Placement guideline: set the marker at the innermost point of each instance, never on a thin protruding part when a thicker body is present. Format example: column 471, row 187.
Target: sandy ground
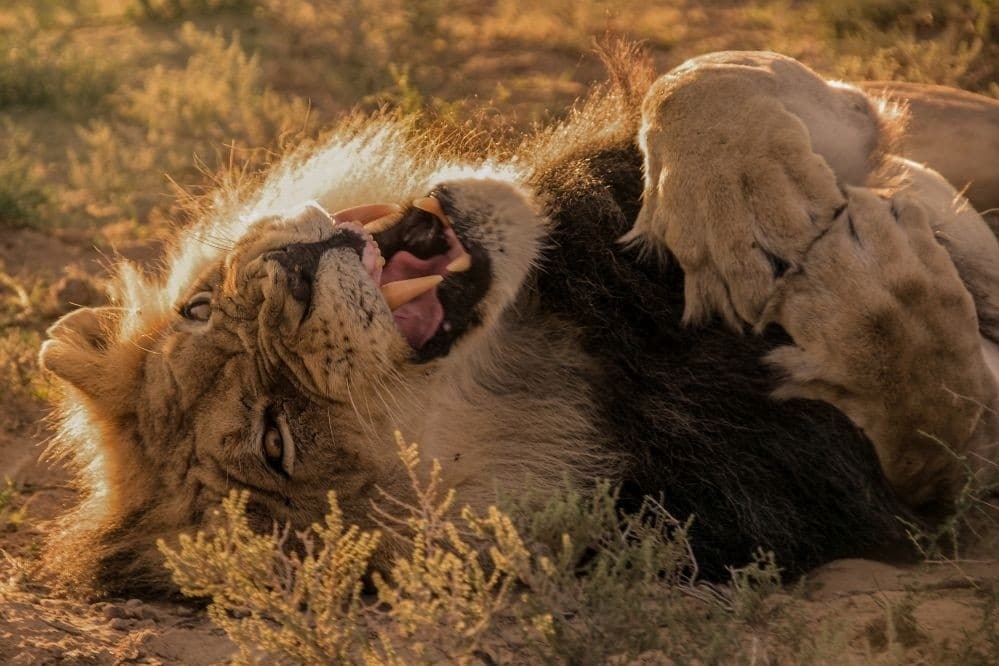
column 848, row 598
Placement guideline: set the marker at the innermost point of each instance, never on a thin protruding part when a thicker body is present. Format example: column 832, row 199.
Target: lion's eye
column 277, row 447
column 274, row 448
column 199, row 308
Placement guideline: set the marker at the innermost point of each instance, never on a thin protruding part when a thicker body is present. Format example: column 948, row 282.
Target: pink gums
column 420, row 319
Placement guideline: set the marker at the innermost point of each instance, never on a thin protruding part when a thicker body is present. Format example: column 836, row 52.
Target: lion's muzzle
column 301, row 261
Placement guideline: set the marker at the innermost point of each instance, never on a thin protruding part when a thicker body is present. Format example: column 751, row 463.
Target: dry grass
column 931, row 41
column 24, row 193
column 12, row 509
column 43, row 69
column 569, row 580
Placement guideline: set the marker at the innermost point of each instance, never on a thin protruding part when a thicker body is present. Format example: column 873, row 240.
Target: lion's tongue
column 419, row 319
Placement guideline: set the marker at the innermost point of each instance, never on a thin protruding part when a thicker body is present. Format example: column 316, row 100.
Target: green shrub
column 569, row 581
column 46, row 69
column 24, row 191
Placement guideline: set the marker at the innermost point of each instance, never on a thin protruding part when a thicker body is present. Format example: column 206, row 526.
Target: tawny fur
column 158, row 415
column 884, row 329
column 972, row 245
column 745, row 153
column 954, row 131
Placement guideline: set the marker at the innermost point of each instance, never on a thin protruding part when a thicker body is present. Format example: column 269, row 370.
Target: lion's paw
column 885, row 330
column 733, row 189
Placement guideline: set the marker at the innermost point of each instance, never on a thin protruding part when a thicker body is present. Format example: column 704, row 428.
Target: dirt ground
column 885, row 613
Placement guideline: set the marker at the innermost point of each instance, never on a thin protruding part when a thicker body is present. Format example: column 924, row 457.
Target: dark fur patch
column 691, row 406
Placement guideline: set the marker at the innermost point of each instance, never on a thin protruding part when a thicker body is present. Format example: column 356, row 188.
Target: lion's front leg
column 736, row 201
column 745, row 154
column 885, row 330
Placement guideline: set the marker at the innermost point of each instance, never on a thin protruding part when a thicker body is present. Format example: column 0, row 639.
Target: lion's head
column 284, row 341
column 281, row 347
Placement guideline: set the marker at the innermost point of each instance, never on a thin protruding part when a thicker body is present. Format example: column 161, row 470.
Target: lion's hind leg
column 885, row 330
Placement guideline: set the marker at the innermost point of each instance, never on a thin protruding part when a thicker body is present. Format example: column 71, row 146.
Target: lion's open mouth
column 430, row 278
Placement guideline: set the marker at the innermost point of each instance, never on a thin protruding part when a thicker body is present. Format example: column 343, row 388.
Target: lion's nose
column 301, row 260
column 300, row 264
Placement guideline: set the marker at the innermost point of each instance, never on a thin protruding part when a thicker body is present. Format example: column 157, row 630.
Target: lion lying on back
column 500, row 322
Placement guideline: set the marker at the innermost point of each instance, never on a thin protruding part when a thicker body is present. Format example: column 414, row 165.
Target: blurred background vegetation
column 102, row 100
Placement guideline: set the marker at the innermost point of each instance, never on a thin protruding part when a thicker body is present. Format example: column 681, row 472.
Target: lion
column 486, row 306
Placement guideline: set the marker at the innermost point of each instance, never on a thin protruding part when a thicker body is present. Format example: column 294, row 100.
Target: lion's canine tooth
column 460, row 264
column 383, row 223
column 400, row 292
column 432, row 206
column 380, row 261
column 366, row 213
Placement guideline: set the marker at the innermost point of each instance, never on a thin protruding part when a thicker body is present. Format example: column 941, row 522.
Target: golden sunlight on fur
column 745, row 157
column 749, row 159
column 265, row 356
column 155, row 410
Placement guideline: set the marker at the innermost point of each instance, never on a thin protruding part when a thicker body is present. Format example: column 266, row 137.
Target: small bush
column 851, row 17
column 24, row 192
column 378, row 51
column 985, row 650
column 39, row 69
column 116, row 173
column 19, row 374
column 12, row 508
column 973, row 511
column 571, row 581
column 440, row 602
column 897, row 629
column 219, row 96
column 218, row 102
column 923, row 41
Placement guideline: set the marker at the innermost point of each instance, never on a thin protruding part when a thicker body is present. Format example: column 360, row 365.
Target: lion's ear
column 76, row 351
